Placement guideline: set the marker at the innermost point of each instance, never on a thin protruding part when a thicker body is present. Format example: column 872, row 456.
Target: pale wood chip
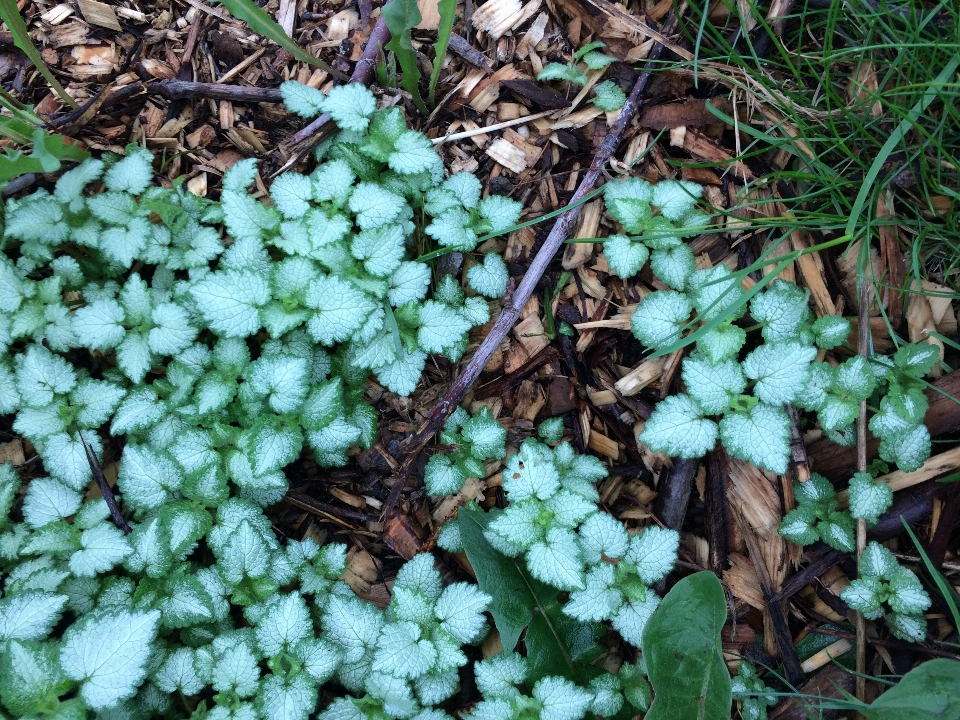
column 646, row 372
column 98, row 13
column 12, row 452
column 496, row 17
column 57, row 14
column 505, row 154
column 198, row 185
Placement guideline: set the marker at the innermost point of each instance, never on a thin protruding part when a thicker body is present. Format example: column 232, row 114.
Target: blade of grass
column 10, row 14
column 448, row 13
column 895, row 137
column 262, row 24
column 949, row 594
column 401, row 16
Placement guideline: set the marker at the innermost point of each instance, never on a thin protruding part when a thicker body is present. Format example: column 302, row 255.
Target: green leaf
column 262, row 24
column 401, row 16
column 760, row 436
column 678, row 427
column 609, row 96
column 108, row 654
column 31, row 678
column 516, row 595
column 681, row 645
column 929, row 691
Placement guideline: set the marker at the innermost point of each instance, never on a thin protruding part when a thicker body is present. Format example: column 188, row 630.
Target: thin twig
column 863, row 348
column 300, row 143
column 512, row 307
column 104, row 486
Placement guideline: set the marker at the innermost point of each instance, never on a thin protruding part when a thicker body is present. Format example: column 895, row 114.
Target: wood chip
column 496, row 17
column 12, row 452
column 198, row 185
column 935, row 466
column 57, row 14
column 533, row 36
column 692, row 112
column 827, row 655
column 642, row 375
column 505, row 154
column 602, row 444
column 576, row 254
column 430, row 14
column 98, row 13
column 399, row 536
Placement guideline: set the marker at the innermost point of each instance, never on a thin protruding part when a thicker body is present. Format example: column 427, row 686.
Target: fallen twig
column 293, row 148
column 512, row 307
column 182, row 89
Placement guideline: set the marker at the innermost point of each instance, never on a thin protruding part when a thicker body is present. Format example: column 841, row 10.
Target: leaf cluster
column 887, row 589
column 818, row 517
column 587, row 59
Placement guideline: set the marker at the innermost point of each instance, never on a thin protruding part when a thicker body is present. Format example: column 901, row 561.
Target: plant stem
column 515, row 301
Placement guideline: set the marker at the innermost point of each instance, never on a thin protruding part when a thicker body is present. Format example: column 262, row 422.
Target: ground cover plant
column 674, row 472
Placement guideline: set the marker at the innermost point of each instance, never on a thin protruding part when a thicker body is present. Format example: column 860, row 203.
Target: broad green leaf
column 516, row 595
column 107, row 653
column 684, row 655
column 929, row 691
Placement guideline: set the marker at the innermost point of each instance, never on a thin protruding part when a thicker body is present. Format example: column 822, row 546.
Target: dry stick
column 863, row 348
column 300, row 143
column 182, row 89
column 104, row 486
column 513, row 305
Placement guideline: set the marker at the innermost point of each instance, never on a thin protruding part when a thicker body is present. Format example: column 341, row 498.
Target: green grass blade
column 401, row 16
column 262, row 24
column 21, row 38
column 949, row 594
column 448, row 13
column 895, row 137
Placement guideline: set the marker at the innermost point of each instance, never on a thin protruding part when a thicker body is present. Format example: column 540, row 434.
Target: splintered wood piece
column 940, row 299
column 891, row 259
column 430, row 14
column 811, row 268
column 642, row 375
column 496, row 17
column 693, row 112
column 741, row 578
column 604, row 445
column 826, row 655
column 399, row 536
column 533, row 35
column 98, row 13
column 920, row 322
column 699, row 145
column 936, row 466
column 505, row 154
column 577, row 253
column 530, row 333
